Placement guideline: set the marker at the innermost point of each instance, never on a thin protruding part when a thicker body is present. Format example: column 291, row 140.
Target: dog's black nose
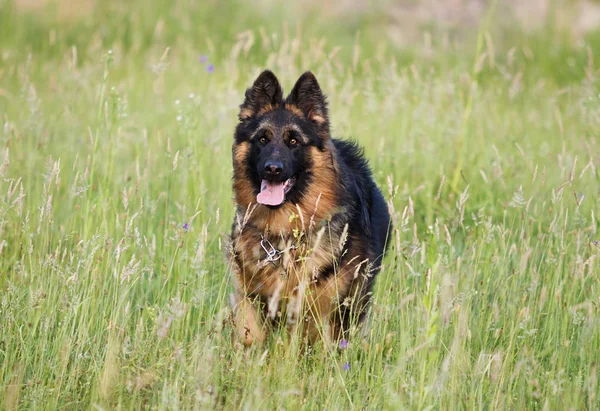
column 273, row 168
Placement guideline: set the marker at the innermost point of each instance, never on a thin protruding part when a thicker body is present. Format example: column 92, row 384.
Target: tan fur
column 242, row 187
column 240, row 153
column 295, row 110
column 246, row 316
column 267, row 108
column 245, row 113
column 247, row 321
column 317, row 118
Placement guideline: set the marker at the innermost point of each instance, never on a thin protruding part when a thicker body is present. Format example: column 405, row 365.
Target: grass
column 115, row 135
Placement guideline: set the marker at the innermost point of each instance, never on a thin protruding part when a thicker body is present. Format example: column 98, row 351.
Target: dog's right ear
column 264, row 95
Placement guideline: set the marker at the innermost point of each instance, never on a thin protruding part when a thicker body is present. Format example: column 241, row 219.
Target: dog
column 311, row 225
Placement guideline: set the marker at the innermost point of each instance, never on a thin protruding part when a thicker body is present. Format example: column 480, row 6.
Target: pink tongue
column 271, row 193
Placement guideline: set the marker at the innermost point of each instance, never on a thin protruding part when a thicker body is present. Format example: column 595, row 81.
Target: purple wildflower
column 344, row 344
column 210, row 68
column 203, row 59
column 186, row 227
column 596, row 243
column 347, row 366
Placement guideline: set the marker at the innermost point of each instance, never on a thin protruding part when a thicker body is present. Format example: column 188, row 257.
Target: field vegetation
column 117, row 122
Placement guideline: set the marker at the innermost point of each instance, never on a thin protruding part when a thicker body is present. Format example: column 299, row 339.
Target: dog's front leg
column 317, row 322
column 246, row 317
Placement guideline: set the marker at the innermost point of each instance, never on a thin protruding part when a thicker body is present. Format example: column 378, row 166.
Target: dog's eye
column 265, row 136
column 293, row 141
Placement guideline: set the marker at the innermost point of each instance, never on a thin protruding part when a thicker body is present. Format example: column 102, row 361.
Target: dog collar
column 274, row 254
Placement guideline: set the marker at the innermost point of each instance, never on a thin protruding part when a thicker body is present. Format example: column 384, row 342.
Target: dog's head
column 275, row 137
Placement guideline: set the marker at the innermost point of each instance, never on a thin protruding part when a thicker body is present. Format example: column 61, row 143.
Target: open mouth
column 272, row 193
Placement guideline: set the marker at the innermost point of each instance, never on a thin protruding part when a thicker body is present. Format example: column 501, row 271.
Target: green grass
column 114, row 135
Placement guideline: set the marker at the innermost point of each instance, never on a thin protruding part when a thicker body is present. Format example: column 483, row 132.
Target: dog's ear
column 264, row 94
column 308, row 97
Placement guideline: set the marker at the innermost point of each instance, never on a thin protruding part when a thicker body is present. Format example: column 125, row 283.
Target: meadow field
column 116, row 204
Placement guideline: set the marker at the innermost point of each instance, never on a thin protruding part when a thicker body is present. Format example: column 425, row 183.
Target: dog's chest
column 268, row 265
column 280, row 265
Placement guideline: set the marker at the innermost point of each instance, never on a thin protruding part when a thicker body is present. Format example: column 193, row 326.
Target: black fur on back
column 368, row 210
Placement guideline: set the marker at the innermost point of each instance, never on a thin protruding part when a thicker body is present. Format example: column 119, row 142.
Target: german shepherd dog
column 311, row 225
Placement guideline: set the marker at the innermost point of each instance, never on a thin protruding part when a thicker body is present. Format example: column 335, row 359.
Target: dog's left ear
column 265, row 94
column 308, row 97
